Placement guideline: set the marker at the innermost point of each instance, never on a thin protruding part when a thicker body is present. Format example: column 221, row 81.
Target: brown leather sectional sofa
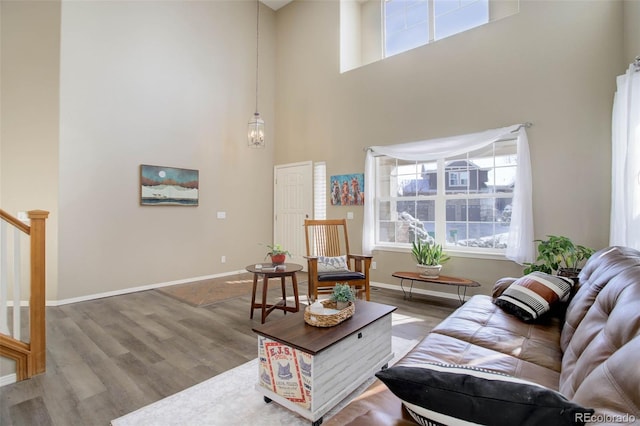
column 590, row 353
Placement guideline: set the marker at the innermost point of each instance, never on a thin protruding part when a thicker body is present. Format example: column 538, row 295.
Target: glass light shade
column 255, row 134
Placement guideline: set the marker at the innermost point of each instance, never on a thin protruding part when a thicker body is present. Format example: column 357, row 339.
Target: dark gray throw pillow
column 442, row 394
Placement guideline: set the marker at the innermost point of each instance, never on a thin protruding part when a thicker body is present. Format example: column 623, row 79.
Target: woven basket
column 318, row 320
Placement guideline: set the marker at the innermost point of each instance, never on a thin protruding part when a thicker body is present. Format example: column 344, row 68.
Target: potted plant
column 430, row 258
column 342, row 295
column 559, row 255
column 278, row 253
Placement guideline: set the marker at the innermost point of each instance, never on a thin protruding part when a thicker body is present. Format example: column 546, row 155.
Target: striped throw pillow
column 532, row 295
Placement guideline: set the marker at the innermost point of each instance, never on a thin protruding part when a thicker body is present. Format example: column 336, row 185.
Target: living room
column 91, row 90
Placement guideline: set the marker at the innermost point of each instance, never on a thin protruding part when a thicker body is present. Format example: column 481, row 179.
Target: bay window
column 463, row 192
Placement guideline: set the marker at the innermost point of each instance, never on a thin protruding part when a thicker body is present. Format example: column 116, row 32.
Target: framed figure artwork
column 347, row 190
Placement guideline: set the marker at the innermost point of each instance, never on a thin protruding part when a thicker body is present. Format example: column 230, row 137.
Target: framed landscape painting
column 168, row 186
column 347, row 190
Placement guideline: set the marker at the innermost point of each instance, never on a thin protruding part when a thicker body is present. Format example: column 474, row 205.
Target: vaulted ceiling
column 276, row 4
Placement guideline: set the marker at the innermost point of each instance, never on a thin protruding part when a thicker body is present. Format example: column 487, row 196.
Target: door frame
column 309, row 215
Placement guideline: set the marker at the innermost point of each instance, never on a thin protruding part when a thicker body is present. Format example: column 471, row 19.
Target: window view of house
column 412, row 23
column 462, row 202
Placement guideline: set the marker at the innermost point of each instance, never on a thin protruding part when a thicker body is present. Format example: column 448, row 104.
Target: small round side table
column 266, row 271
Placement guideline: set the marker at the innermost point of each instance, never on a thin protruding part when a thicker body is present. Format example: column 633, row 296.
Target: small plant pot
column 278, row 259
column 429, row 271
column 570, row 273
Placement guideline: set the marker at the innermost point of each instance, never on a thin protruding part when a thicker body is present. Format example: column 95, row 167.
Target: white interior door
column 293, row 203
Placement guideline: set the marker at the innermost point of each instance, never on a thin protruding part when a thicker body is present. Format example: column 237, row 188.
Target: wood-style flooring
column 111, row 356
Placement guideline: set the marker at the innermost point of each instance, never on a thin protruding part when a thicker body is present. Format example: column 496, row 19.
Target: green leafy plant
column 429, row 254
column 275, row 249
column 343, row 293
column 558, row 253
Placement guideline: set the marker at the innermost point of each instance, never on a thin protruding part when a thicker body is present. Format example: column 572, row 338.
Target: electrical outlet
column 374, row 265
column 223, row 259
column 349, row 215
column 221, row 215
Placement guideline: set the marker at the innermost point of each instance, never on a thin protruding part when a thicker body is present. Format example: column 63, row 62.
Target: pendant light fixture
column 255, row 134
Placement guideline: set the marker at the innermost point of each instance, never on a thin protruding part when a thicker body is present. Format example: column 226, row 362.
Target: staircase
column 29, row 353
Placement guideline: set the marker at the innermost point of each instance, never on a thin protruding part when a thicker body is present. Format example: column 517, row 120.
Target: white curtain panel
column 520, row 245
column 625, row 167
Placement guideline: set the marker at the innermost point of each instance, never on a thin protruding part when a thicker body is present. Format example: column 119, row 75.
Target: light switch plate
column 222, row 215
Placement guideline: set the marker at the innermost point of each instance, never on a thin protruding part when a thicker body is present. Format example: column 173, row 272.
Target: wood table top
column 293, row 331
column 289, row 269
column 442, row 279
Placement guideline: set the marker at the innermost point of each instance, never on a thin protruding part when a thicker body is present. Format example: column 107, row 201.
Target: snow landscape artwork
column 168, row 186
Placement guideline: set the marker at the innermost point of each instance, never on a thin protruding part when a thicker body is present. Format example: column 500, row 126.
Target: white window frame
column 440, row 200
column 430, row 22
column 520, row 243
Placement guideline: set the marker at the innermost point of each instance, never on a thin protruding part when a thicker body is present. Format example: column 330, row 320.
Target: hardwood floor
column 111, row 356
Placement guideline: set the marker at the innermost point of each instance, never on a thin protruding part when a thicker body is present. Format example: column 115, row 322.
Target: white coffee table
column 309, row 370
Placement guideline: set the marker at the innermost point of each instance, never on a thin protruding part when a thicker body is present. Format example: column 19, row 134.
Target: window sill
column 451, row 253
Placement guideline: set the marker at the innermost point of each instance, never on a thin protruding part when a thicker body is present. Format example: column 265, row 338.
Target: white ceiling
column 276, row 4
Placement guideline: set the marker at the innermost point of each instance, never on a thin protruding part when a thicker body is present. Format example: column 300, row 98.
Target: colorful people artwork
column 347, row 190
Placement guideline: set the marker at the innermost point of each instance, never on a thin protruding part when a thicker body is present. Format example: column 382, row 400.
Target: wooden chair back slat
column 326, row 237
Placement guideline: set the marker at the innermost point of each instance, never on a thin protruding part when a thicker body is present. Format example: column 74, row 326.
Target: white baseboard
column 136, row 289
column 415, row 290
column 8, row 379
column 61, row 302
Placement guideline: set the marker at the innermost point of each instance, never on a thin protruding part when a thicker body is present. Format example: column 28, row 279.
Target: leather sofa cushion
column 484, row 324
column 600, row 364
column 601, row 268
column 379, row 406
column 438, row 348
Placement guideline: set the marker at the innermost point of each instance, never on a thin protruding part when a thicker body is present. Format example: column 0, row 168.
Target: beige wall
column 29, row 98
column 170, row 84
column 553, row 64
column 631, row 42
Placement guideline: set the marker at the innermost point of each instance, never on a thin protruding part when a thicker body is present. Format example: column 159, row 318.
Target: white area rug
column 230, row 398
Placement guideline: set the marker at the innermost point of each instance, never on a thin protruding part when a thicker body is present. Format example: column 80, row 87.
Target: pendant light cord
column 257, row 47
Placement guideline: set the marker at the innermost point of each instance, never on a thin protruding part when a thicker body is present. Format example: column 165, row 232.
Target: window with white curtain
column 469, row 209
column 625, row 156
column 470, row 193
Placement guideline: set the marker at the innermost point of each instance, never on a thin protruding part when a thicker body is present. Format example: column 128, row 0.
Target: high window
column 412, row 23
column 371, row 30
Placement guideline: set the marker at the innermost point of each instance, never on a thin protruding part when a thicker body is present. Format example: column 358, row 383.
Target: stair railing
column 30, row 357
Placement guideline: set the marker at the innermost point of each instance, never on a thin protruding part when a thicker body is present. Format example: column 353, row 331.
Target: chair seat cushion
column 340, row 276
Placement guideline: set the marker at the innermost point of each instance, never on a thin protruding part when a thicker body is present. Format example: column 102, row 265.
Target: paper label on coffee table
column 285, row 372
